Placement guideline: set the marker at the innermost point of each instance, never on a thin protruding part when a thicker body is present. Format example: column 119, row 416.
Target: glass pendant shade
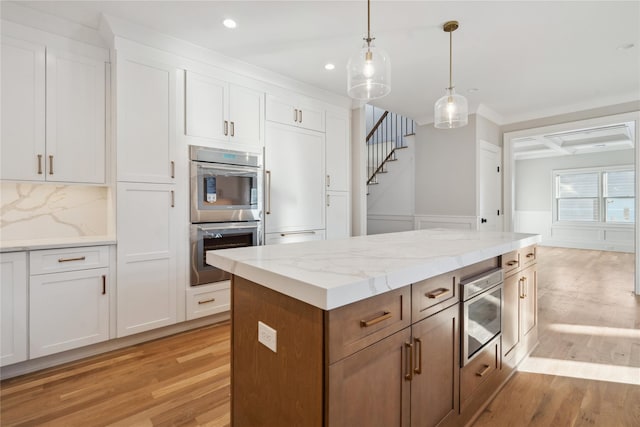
column 451, row 111
column 369, row 73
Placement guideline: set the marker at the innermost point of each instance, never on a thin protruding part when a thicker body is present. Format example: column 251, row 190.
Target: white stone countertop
column 55, row 243
column 332, row 273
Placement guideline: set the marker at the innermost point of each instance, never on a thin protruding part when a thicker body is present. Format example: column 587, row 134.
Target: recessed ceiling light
column 473, row 90
column 229, row 23
column 329, row 66
column 626, row 46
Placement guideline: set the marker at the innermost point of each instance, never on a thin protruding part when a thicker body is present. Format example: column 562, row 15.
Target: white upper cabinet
column 146, row 103
column 75, row 118
column 23, row 105
column 338, row 151
column 296, row 111
column 53, row 113
column 216, row 109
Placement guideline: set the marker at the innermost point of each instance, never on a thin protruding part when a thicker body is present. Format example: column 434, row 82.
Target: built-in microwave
column 225, row 185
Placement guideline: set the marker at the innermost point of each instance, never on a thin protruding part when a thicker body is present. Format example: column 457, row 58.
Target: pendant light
column 369, row 70
column 451, row 111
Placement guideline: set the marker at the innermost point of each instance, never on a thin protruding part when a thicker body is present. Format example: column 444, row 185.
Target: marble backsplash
column 42, row 211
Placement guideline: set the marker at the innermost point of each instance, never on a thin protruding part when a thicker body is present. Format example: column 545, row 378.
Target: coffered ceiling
column 516, row 59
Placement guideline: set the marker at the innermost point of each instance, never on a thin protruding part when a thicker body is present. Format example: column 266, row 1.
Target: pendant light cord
column 450, row 59
column 368, row 21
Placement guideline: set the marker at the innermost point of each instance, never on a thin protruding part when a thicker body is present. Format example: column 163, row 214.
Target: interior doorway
column 567, row 156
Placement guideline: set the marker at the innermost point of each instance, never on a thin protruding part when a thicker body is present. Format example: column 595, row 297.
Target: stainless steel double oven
column 226, row 206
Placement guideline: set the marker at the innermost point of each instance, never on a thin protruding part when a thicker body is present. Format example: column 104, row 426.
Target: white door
column 75, row 118
column 338, row 215
column 147, row 277
column 13, row 303
column 338, row 151
column 68, row 310
column 22, row 147
column 245, row 115
column 490, row 187
column 206, row 107
column 146, row 121
column 295, row 179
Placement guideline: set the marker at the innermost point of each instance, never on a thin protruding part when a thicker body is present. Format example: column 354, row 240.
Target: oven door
column 209, row 237
column 482, row 321
column 225, row 192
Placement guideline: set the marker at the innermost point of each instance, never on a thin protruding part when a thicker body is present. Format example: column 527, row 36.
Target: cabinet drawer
column 70, row 259
column 202, row 303
column 355, row 326
column 510, row 262
column 478, row 371
column 527, row 255
column 432, row 295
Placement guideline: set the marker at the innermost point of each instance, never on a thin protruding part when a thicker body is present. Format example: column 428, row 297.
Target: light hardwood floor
column 589, row 326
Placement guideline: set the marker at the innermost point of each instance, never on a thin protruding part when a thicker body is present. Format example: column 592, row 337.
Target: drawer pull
column 39, row 164
column 438, row 293
column 385, row 315
column 531, row 255
column 512, row 263
column 206, row 301
column 484, row 371
column 80, row 258
column 409, row 347
column 50, row 164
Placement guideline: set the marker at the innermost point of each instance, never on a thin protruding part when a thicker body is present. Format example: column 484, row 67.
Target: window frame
column 602, row 198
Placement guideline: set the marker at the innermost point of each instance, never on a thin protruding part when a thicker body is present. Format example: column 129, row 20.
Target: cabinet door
column 528, row 301
column 338, row 152
column 294, row 163
column 338, row 215
column 68, row 310
column 510, row 316
column 281, row 110
column 146, row 121
column 245, row 115
column 206, row 112
column 22, row 147
column 311, row 116
column 435, row 385
column 13, row 303
column 369, row 387
column 146, row 257
column 75, row 118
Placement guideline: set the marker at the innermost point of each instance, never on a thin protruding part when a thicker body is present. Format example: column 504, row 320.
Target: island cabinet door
column 371, row 387
column 510, row 317
column 435, row 385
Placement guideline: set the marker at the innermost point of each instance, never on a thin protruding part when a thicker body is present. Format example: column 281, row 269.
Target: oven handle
column 268, row 207
column 229, row 226
column 226, row 168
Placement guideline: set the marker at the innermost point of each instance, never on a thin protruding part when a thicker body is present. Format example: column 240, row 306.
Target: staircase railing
column 385, row 137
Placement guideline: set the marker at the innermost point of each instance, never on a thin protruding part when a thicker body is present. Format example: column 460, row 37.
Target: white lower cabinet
column 338, row 215
column 208, row 299
column 68, row 299
column 147, row 277
column 13, row 301
column 293, row 237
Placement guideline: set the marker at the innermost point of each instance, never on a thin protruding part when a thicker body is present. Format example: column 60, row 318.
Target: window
column 595, row 195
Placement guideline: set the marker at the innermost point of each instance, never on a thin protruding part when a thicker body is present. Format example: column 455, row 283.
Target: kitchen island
column 362, row 331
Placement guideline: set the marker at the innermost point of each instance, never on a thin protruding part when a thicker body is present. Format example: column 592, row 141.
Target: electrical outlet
column 267, row 336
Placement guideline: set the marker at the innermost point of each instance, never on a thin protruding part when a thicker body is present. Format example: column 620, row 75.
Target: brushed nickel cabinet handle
column 438, row 293
column 300, row 116
column 39, row 164
column 384, row 316
column 328, row 180
column 268, row 208
column 418, row 370
column 521, row 288
column 226, row 128
column 206, row 301
column 80, row 258
column 328, row 200
column 50, row 164
column 291, row 233
column 104, row 284
column 484, row 371
column 233, row 129
column 409, row 347
column 512, row 263
column 173, row 169
column 295, row 115
column 173, row 199
column 531, row 255
column 524, row 287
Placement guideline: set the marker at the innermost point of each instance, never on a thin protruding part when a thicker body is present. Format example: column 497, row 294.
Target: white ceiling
column 527, row 59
